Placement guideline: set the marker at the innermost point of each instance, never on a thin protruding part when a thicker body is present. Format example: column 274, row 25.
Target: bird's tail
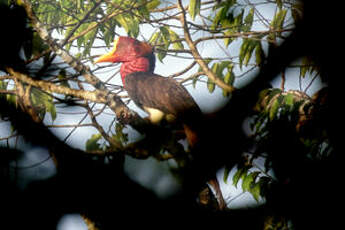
column 191, row 135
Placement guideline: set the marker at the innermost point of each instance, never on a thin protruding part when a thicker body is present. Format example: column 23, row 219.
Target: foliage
column 253, row 180
column 273, row 106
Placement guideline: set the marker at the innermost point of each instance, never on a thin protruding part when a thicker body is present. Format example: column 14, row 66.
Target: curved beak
column 108, row 57
column 111, row 56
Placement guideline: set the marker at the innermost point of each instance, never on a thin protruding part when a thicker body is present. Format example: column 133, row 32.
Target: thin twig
column 310, row 83
column 183, row 71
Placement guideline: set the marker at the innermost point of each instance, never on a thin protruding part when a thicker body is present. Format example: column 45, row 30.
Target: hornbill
column 161, row 97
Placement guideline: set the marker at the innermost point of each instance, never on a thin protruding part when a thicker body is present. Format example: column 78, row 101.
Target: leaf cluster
column 273, row 106
column 234, row 21
column 93, row 143
column 253, row 180
column 248, row 48
column 163, row 39
column 223, row 70
column 43, row 103
column 85, row 21
column 300, row 111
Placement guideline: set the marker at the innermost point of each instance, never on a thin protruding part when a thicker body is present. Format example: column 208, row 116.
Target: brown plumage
column 164, row 94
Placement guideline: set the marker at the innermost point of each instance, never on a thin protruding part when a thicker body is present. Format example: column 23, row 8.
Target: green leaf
column 273, row 92
column 249, row 180
column 238, row 21
column 134, row 27
column 129, row 23
column 108, row 31
column 154, row 37
column 246, row 50
column 255, row 191
column 3, row 84
column 249, row 53
column 165, row 35
column 194, row 8
column 277, row 23
column 215, row 68
column 122, row 21
column 259, row 53
column 248, row 21
column 144, row 12
column 228, row 79
column 161, row 55
column 223, row 65
column 195, row 80
column 80, row 41
column 210, row 85
column 307, row 65
column 279, row 3
column 221, row 15
column 243, row 51
column 274, row 109
column 278, row 20
column 153, row 4
column 50, row 107
column 226, row 174
column 80, row 4
column 119, row 135
column 12, row 99
column 240, row 173
column 88, row 41
column 289, row 99
column 174, row 40
column 38, row 46
column 236, row 177
column 43, row 103
column 91, row 144
column 178, row 46
column 227, row 41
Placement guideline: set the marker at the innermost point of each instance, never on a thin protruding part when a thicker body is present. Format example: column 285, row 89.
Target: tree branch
column 112, row 142
column 94, row 96
column 197, row 56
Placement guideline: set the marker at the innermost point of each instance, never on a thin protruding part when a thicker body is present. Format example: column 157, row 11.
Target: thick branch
column 197, row 56
column 94, row 96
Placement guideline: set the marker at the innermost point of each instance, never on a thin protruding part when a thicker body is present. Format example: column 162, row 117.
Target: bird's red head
column 136, row 56
column 126, row 49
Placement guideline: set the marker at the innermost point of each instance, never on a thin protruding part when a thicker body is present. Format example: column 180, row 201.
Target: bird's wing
column 165, row 94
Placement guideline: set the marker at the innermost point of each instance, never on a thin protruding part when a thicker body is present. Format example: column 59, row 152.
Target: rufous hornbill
column 161, row 97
